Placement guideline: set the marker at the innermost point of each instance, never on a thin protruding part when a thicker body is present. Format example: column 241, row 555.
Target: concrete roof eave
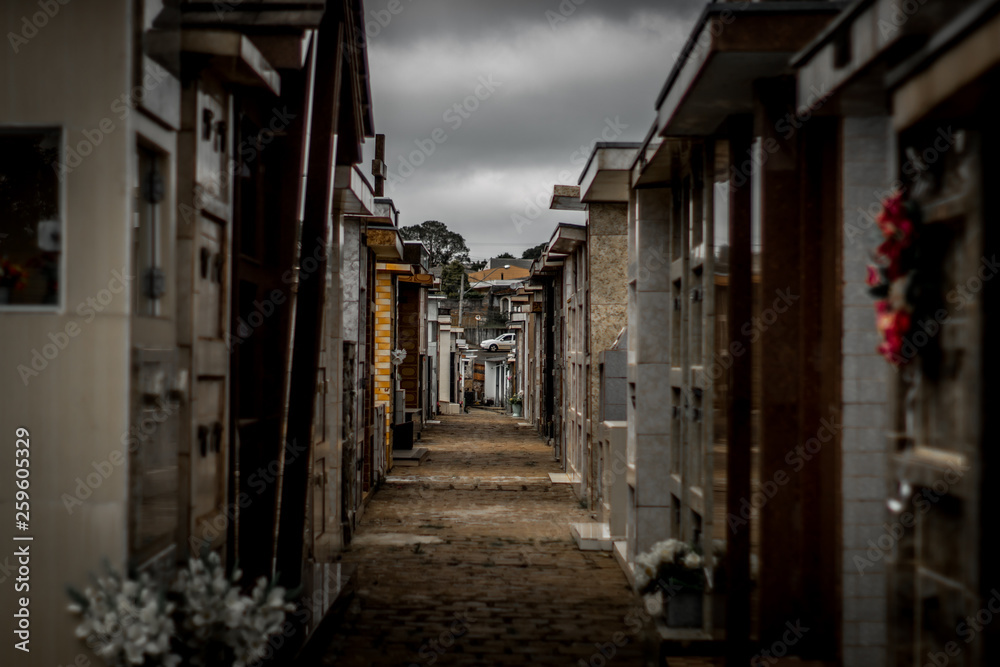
column 566, row 198
column 385, row 212
column 385, row 242
column 256, row 14
column 605, row 178
column 731, row 47
column 230, row 54
column 352, row 192
column 565, row 239
column 850, row 60
column 656, row 167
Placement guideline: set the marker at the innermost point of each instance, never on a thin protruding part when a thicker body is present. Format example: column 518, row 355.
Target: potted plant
column 675, row 571
column 515, row 403
column 202, row 619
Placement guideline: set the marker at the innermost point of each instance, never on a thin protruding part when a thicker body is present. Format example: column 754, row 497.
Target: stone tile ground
column 468, row 560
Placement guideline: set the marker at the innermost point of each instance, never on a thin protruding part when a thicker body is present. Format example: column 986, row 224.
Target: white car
column 504, row 342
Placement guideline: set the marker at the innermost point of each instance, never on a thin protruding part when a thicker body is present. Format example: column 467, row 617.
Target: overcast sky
column 550, row 82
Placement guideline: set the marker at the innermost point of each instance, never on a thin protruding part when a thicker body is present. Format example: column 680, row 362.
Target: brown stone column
column 777, row 321
column 740, row 375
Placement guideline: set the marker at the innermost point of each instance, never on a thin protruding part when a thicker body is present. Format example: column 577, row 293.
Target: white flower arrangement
column 218, row 618
column 212, row 622
column 126, row 622
column 670, row 563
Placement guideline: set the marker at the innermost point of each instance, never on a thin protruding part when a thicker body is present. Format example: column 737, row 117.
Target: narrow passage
column 468, row 560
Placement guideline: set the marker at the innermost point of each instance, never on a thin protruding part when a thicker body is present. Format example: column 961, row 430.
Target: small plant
column 202, row 619
column 516, row 399
column 126, row 621
column 672, row 565
column 220, row 625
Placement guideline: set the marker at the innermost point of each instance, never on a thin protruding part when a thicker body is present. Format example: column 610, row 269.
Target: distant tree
column 451, row 279
column 534, row 253
column 504, row 255
column 478, row 265
column 443, row 245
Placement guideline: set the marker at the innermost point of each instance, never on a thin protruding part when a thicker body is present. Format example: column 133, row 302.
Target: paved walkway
column 467, row 560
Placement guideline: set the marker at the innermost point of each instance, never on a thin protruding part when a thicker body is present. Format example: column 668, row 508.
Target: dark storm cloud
column 423, row 19
column 486, row 104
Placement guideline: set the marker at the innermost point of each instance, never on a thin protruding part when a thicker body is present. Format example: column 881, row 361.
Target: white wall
column 77, row 408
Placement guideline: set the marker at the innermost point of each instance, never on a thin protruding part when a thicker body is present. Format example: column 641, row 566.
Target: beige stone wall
column 72, row 423
column 607, row 256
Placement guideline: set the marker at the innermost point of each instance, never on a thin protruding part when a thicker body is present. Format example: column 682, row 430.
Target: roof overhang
column 385, row 212
column 550, row 265
column 285, row 50
column 566, row 198
column 961, row 53
column 415, row 252
column 392, row 267
column 352, row 192
column 253, row 13
column 605, row 177
column 655, row 164
column 231, row 55
column 849, row 60
column 385, row 242
column 421, row 279
column 565, row 240
column 732, row 46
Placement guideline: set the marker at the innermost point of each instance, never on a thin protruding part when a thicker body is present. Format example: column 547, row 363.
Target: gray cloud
column 545, row 95
column 415, row 20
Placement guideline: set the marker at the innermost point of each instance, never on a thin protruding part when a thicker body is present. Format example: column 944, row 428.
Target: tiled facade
column 865, row 398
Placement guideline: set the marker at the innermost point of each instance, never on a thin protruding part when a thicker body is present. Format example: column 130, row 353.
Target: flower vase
column 516, row 409
column 684, row 609
column 4, row 295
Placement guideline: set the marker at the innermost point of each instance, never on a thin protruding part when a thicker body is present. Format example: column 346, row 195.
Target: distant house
column 501, row 275
column 503, row 262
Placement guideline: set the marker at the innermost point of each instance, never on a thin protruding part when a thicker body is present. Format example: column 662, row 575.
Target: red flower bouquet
column 889, row 276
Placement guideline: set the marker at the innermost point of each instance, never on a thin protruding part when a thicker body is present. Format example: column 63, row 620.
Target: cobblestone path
column 468, row 560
